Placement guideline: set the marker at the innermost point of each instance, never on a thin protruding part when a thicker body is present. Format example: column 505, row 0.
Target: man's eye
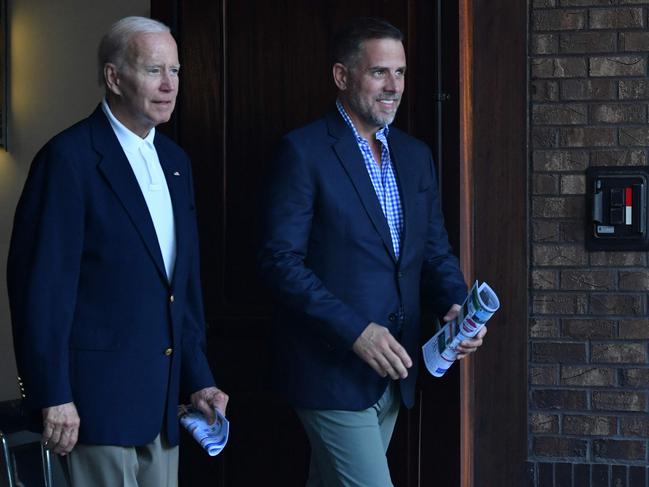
column 153, row 70
column 378, row 74
column 174, row 71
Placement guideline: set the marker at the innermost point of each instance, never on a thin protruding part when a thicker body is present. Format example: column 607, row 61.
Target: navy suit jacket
column 92, row 309
column 328, row 257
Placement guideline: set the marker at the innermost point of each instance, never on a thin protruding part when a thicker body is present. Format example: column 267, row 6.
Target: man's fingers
column 206, row 409
column 377, row 368
column 402, row 354
column 382, row 352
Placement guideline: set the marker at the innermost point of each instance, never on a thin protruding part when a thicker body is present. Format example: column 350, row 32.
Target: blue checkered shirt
column 382, row 177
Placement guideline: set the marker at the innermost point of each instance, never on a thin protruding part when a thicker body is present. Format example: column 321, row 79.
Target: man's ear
column 111, row 78
column 341, row 76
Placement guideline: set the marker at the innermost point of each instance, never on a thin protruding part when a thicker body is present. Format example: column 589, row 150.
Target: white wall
column 52, row 52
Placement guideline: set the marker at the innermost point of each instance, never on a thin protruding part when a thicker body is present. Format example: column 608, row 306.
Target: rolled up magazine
column 440, row 351
column 212, row 437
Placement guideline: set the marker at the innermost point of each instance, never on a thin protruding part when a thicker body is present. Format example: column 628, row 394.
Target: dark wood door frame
column 493, row 236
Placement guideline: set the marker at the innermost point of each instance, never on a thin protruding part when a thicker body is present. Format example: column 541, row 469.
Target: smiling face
column 371, row 89
column 142, row 92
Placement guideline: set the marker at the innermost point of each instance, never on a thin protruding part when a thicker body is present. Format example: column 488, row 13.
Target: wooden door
column 253, row 70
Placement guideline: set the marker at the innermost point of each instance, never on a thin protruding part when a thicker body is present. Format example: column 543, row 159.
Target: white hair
column 114, row 45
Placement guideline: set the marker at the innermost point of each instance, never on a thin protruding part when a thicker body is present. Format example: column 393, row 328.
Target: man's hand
column 207, row 399
column 60, row 428
column 469, row 346
column 382, row 352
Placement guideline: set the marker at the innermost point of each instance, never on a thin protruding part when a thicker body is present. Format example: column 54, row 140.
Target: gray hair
column 114, row 45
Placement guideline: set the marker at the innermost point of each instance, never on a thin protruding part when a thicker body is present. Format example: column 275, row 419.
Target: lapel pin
column 176, row 173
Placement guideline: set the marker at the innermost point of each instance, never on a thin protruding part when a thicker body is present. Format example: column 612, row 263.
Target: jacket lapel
column 118, row 173
column 177, row 184
column 351, row 159
column 407, row 181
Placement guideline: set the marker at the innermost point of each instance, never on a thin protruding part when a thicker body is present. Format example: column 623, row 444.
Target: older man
column 103, row 276
column 353, row 229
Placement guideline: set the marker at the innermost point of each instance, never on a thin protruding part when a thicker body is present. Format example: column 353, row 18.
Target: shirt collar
column 381, row 134
column 129, row 140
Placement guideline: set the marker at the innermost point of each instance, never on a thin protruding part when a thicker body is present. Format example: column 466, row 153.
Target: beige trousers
column 151, row 465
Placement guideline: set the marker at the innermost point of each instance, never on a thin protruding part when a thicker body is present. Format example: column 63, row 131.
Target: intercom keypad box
column 617, row 218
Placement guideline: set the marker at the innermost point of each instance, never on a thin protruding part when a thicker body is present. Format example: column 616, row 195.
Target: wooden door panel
column 253, row 70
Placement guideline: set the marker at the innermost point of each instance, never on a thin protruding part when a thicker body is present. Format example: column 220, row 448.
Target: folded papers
column 479, row 306
column 212, row 437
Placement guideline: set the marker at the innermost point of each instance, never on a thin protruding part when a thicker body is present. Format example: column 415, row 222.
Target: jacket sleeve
column 195, row 370
column 42, row 276
column 442, row 280
column 288, row 214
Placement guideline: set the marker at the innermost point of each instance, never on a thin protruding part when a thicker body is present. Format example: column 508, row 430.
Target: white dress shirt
column 142, row 156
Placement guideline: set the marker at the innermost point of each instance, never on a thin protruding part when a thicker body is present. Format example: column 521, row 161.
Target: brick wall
column 589, row 319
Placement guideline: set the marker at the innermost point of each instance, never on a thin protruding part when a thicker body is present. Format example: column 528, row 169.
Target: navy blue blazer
column 328, row 257
column 93, row 312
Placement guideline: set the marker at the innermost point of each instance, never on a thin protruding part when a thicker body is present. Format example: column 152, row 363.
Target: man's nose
column 393, row 84
column 169, row 82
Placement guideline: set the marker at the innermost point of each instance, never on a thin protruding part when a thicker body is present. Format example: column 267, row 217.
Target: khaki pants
column 151, row 465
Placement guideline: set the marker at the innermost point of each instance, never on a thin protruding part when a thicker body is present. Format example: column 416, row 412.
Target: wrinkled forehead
column 152, row 47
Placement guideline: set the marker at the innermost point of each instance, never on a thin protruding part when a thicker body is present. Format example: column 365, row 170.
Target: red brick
column 588, row 89
column 635, row 378
column 559, row 114
column 558, row 207
column 589, row 425
column 573, row 184
column 544, row 423
column 587, row 42
column 619, row 401
column 618, row 66
column 617, row 18
column 559, row 399
column 634, row 329
column 571, row 231
column 544, row 44
column 616, row 304
column 559, row 304
column 634, row 136
column 559, row 67
column 619, row 113
column 544, row 376
column 619, row 157
column 544, row 280
column 543, row 183
column 634, row 426
column 636, row 280
column 634, row 41
column 543, row 328
column 560, row 160
column 545, row 137
column 618, row 450
column 618, row 259
column 588, row 328
column 587, row 137
column 558, row 352
column 555, row 446
column 558, row 255
column 598, row 280
column 588, row 376
column 545, row 231
column 545, row 90
column 634, row 89
column 558, row 20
